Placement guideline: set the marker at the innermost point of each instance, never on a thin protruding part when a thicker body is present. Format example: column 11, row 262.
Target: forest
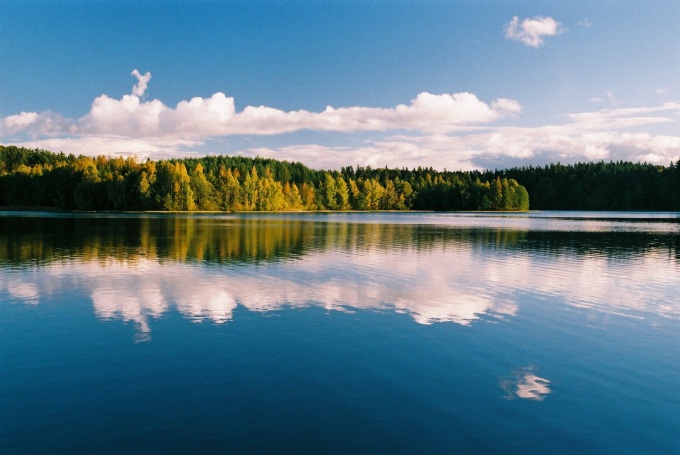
column 40, row 178
column 598, row 186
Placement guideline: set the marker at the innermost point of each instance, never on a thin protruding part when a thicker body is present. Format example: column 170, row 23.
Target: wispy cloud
column 143, row 81
column 609, row 97
column 532, row 31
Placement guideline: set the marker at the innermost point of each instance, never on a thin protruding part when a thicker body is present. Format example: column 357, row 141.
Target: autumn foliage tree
column 222, row 183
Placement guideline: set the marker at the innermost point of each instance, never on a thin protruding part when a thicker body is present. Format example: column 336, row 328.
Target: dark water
column 340, row 333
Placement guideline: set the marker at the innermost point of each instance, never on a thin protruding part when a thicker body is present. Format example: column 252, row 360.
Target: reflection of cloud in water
column 648, row 284
column 526, row 385
column 376, row 282
column 26, row 292
column 122, row 290
column 213, row 304
column 142, row 289
column 149, row 288
column 459, row 285
column 129, row 304
column 461, row 309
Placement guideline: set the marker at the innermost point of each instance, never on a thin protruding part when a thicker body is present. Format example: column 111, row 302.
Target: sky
column 486, row 84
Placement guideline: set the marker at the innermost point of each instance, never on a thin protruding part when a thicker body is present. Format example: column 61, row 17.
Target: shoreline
column 48, row 209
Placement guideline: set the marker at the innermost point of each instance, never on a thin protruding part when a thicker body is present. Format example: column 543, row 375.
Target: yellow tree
column 342, row 194
column 203, row 190
column 308, row 196
column 270, row 193
column 328, row 192
column 173, row 186
column 249, row 190
column 371, row 194
column 229, row 189
column 291, row 194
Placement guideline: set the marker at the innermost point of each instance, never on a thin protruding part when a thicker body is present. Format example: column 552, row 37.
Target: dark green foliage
column 41, row 178
column 599, row 186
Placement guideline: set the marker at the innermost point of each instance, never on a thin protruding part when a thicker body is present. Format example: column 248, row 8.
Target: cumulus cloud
column 607, row 134
column 130, row 116
column 452, row 131
column 14, row 123
column 44, row 123
column 532, row 31
column 217, row 116
column 591, row 136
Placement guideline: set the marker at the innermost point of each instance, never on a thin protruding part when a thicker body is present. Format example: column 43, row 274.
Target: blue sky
column 447, row 84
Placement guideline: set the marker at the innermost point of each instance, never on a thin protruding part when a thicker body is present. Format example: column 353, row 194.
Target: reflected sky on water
column 453, row 268
column 379, row 332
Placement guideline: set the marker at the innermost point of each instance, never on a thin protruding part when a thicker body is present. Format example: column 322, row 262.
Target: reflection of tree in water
column 29, row 240
column 139, row 268
column 34, row 240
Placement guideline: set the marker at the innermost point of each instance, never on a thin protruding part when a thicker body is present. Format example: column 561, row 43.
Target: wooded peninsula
column 40, row 178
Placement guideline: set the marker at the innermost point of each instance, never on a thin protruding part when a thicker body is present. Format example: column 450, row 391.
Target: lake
column 540, row 332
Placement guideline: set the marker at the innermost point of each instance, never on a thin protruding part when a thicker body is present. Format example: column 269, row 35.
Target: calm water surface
column 549, row 332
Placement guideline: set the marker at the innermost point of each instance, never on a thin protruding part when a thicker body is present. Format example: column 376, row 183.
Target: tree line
column 33, row 177
column 599, row 186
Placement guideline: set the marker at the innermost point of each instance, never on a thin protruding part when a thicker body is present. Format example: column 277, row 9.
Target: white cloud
column 587, row 136
column 532, row 31
column 44, row 123
column 452, row 131
column 109, row 145
column 127, row 116
column 18, row 122
column 216, row 116
column 608, row 119
column 142, row 82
